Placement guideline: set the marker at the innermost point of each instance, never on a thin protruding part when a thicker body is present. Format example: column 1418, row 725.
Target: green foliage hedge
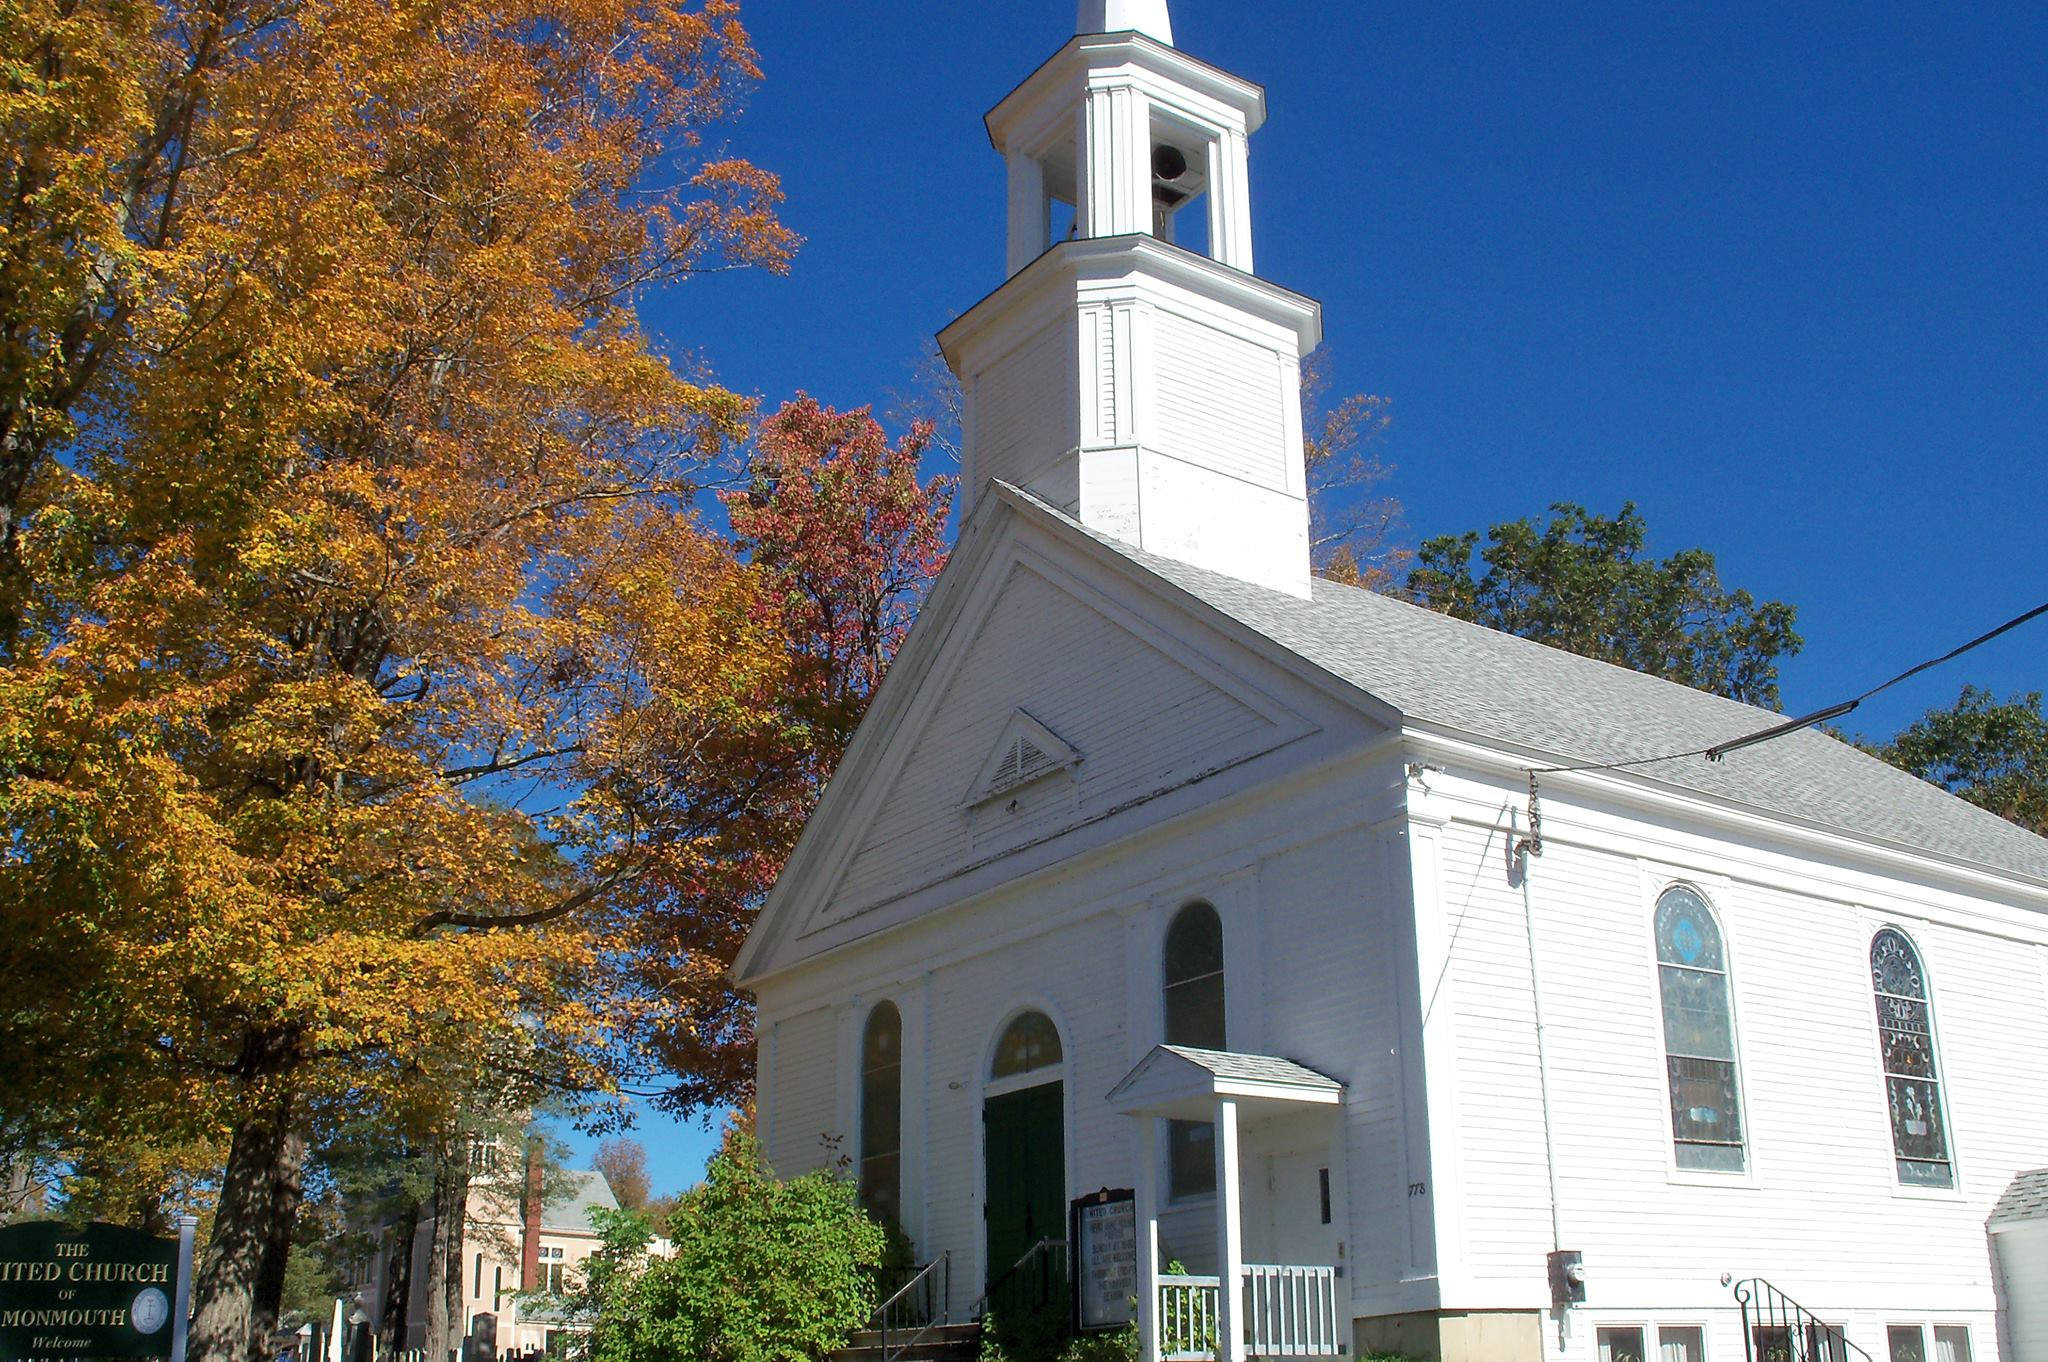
column 762, row 1271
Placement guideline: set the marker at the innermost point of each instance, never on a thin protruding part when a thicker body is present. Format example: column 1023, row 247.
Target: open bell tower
column 1133, row 370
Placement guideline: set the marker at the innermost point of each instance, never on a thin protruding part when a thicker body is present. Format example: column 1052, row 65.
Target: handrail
column 1048, row 1247
column 938, row 1272
column 1776, row 1328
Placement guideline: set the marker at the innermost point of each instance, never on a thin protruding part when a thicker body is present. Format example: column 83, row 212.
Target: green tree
column 1993, row 754
column 1582, row 582
column 763, row 1270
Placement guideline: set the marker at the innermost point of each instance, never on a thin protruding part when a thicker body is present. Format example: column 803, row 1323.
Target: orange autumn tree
column 359, row 649
column 848, row 535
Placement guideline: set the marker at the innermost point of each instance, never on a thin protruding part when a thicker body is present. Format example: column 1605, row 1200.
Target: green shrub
column 763, row 1271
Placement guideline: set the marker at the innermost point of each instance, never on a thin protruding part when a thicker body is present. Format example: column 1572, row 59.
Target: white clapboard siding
column 1219, row 401
column 1024, row 409
column 1142, row 721
column 805, row 1083
column 1820, row 1213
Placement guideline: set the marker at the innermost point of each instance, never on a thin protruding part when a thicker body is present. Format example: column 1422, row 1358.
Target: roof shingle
column 1467, row 679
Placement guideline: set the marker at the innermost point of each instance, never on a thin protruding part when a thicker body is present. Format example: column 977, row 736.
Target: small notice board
column 1103, row 1228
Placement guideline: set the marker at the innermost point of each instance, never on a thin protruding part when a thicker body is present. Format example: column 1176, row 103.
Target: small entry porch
column 1259, row 1107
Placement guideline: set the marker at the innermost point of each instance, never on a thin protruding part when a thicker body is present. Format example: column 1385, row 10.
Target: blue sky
column 1778, row 273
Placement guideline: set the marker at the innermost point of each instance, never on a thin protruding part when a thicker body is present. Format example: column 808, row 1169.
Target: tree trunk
column 398, row 1279
column 445, row 1322
column 287, row 1189
column 236, row 1296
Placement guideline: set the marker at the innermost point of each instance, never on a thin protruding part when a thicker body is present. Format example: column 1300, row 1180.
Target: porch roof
column 2024, row 1201
column 1181, row 1081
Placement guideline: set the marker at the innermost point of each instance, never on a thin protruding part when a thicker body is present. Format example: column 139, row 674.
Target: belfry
column 1133, row 371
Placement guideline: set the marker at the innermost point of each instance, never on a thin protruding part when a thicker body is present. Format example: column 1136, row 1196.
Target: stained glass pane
column 1029, row 1043
column 1194, row 944
column 1696, row 1015
column 1895, row 966
column 882, row 1044
column 881, row 1112
column 1905, row 1030
column 1686, row 934
column 1916, row 1119
column 1194, row 1014
column 1703, row 1100
column 881, row 1181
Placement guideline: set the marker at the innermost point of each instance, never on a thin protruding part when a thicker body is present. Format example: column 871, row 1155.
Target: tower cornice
column 1167, row 71
column 1114, row 256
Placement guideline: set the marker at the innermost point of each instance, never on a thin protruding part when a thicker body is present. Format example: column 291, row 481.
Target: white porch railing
column 1187, row 1318
column 1288, row 1311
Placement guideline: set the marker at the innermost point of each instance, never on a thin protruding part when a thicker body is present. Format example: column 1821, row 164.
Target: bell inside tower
column 1180, row 185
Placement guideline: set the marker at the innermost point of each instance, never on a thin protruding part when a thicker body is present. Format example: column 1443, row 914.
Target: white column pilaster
column 1229, row 1237
column 1230, row 201
column 1147, row 1208
column 1030, row 215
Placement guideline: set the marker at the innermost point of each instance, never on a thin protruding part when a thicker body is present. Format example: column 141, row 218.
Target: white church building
column 1160, row 865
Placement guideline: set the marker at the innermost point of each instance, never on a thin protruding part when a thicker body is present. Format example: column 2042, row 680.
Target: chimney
column 529, row 1221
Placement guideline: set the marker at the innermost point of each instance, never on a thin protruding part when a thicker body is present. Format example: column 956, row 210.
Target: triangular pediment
column 1054, row 667
column 1052, row 699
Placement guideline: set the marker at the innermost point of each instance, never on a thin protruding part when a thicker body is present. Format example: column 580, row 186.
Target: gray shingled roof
column 2025, row 1199
column 569, row 1210
column 1234, row 1067
column 1461, row 677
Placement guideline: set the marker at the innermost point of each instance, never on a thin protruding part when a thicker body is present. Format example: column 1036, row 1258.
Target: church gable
column 1054, row 709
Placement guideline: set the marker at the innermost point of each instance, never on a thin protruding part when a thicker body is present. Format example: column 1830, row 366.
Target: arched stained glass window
column 1028, row 1044
column 1912, row 1075
column 1194, row 1005
column 881, row 1113
column 1194, row 979
column 1699, row 1035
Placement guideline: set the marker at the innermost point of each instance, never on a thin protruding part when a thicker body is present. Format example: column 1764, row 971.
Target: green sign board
column 85, row 1292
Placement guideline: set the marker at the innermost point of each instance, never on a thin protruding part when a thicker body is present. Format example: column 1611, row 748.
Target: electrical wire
column 1716, row 751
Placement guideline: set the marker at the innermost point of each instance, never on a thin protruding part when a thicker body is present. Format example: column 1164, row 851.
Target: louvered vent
column 1028, row 751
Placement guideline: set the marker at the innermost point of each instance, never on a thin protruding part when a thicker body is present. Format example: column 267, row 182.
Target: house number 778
column 1418, row 1189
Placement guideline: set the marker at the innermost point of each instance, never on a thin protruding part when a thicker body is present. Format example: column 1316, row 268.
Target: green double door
column 1025, row 1154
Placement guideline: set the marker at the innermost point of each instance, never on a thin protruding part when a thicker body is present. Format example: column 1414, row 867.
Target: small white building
column 1364, row 945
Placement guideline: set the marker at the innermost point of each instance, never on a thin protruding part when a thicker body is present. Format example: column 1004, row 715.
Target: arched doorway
column 1024, row 1144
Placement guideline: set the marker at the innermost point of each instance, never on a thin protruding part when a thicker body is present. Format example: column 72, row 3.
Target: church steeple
column 1148, row 17
column 1133, row 371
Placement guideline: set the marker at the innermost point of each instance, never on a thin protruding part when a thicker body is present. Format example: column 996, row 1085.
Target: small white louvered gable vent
column 1027, row 752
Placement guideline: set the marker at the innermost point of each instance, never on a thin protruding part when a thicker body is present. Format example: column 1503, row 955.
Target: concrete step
column 942, row 1343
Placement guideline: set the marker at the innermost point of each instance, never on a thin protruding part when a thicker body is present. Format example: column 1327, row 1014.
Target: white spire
column 1148, row 17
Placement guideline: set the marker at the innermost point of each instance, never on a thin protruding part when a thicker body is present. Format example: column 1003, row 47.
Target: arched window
column 1912, row 1075
column 1194, row 979
column 881, row 1113
column 1028, row 1044
column 1699, row 1034
column 1193, row 989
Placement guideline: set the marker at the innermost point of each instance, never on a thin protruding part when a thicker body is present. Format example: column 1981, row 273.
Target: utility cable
column 1533, row 843
column 1716, row 751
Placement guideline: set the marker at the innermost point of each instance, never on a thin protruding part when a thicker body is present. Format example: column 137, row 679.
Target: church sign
column 1104, row 1233
column 70, row 1291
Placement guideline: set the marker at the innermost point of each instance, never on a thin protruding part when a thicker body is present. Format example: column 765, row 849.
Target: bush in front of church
column 761, row 1271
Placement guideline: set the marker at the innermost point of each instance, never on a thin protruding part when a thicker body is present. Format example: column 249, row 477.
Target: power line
column 1717, row 751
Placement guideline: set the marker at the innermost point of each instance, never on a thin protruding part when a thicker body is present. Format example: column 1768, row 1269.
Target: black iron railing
column 1035, row 1282
column 1776, row 1328
column 915, row 1308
